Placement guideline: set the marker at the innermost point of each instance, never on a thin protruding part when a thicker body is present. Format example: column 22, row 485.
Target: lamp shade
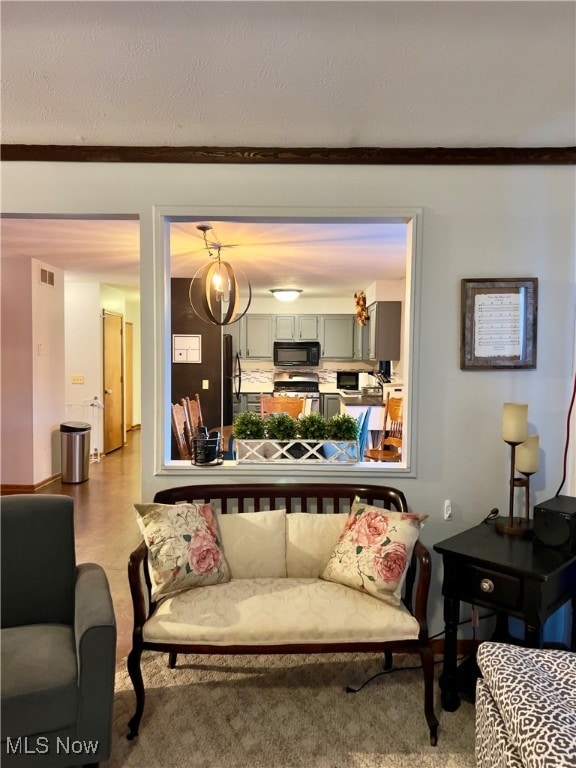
column 515, row 422
column 527, row 455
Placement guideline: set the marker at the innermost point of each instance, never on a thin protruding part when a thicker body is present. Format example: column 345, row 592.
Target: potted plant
column 342, row 426
column 248, row 426
column 312, row 429
column 342, row 429
column 312, row 426
column 281, row 427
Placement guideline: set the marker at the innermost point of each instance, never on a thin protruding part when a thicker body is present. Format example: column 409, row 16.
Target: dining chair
column 390, row 446
column 293, row 406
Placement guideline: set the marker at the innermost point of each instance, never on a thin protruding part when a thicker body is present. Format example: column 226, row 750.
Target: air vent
column 46, row 277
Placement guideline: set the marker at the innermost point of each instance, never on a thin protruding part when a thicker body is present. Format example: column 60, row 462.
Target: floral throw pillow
column 184, row 548
column 374, row 551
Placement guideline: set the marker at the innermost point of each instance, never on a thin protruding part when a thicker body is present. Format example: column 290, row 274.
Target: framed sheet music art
column 499, row 319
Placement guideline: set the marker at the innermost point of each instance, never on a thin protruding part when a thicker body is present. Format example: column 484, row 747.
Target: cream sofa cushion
column 277, row 611
column 254, row 543
column 310, row 539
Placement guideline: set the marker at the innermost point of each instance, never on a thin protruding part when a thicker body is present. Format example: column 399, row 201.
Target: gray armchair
column 58, row 637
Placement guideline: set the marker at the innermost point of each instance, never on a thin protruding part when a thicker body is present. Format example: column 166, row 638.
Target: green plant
column 342, row 426
column 248, row 426
column 281, row 426
column 312, row 426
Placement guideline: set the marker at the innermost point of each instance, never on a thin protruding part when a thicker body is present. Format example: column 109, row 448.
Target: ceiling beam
column 292, row 155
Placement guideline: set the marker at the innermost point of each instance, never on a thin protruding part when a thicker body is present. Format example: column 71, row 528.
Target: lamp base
column 519, row 527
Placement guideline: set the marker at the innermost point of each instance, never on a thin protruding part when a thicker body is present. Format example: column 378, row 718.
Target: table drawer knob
column 486, row 585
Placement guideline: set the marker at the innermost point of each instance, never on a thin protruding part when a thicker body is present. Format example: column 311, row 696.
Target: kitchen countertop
column 361, row 400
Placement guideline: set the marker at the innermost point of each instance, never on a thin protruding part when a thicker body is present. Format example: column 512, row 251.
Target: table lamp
column 524, row 458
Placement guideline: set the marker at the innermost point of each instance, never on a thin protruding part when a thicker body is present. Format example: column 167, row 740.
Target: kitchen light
column 285, row 294
column 215, row 290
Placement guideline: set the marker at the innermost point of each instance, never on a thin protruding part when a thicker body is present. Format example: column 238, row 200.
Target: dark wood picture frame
column 499, row 323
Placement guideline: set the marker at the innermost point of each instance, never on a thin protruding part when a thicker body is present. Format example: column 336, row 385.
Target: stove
column 296, row 382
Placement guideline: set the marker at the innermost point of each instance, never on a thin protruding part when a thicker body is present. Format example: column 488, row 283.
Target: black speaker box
column 555, row 523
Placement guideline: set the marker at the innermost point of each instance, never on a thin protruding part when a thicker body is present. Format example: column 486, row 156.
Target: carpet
column 287, row 711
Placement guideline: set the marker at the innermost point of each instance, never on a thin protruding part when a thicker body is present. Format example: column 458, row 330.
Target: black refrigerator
column 231, row 378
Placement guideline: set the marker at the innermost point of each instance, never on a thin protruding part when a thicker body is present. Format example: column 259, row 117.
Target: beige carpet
column 284, row 712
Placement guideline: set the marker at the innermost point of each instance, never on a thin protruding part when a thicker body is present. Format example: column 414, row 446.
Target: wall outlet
column 205, row 384
column 447, row 509
column 77, row 378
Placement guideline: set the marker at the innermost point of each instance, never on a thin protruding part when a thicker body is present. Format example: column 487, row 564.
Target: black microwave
column 347, row 380
column 296, row 353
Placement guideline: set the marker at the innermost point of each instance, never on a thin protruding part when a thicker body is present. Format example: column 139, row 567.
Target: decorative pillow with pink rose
column 374, row 551
column 184, row 547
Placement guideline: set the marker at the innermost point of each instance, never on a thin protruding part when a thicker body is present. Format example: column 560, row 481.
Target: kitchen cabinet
column 360, row 341
column 384, row 330
column 296, row 327
column 330, row 405
column 237, row 331
column 258, row 336
column 337, row 336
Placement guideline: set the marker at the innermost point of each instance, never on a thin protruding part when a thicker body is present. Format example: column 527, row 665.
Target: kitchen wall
column 509, row 221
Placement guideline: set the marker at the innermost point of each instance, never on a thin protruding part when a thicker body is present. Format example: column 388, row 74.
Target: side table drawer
column 489, row 587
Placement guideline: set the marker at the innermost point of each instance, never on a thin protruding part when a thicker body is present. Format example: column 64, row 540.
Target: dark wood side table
column 511, row 576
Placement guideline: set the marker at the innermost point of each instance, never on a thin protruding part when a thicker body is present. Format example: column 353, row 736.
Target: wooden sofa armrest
column 417, row 586
column 140, row 587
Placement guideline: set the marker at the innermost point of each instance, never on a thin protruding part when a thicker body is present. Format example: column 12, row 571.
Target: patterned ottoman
column 525, row 707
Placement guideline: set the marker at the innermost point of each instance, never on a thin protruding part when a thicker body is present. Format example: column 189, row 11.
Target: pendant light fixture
column 215, row 290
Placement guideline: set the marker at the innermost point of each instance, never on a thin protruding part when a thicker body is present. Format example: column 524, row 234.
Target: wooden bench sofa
column 312, row 518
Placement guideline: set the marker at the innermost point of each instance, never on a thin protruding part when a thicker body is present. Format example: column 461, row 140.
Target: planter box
column 300, row 451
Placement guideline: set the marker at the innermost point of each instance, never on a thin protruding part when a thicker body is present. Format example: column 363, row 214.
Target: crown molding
column 57, row 153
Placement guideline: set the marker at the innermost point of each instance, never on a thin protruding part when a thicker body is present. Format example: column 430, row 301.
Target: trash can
column 75, row 451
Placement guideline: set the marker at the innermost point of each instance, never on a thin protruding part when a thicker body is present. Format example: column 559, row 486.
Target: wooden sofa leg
column 136, row 676
column 427, row 658
column 172, row 659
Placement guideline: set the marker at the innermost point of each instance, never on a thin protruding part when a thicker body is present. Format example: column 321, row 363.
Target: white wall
column 497, row 221
column 32, row 372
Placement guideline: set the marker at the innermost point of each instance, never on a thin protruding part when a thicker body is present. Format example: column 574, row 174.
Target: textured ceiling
column 276, row 74
column 393, row 74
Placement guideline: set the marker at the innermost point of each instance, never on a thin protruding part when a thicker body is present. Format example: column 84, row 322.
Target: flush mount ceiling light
column 285, row 294
column 218, row 294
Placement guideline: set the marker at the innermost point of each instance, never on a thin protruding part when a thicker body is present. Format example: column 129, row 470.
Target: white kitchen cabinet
column 259, row 336
column 384, row 330
column 337, row 336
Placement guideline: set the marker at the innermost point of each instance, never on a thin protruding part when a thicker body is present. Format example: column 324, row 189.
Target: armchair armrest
column 95, row 633
column 418, row 586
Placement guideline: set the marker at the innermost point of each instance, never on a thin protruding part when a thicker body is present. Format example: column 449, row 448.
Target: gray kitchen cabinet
column 384, row 330
column 259, row 336
column 337, row 336
column 360, row 341
column 330, row 405
column 308, row 327
column 252, row 402
column 296, row 327
column 237, row 331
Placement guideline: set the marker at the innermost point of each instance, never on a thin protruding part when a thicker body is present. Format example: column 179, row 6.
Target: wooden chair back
column 390, row 446
column 193, row 413
column 293, row 406
column 181, row 431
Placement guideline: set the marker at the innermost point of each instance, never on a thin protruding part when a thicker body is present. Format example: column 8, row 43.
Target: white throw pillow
column 254, row 543
column 310, row 540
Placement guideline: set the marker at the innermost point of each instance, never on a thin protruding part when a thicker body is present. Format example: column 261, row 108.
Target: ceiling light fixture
column 285, row 294
column 215, row 288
